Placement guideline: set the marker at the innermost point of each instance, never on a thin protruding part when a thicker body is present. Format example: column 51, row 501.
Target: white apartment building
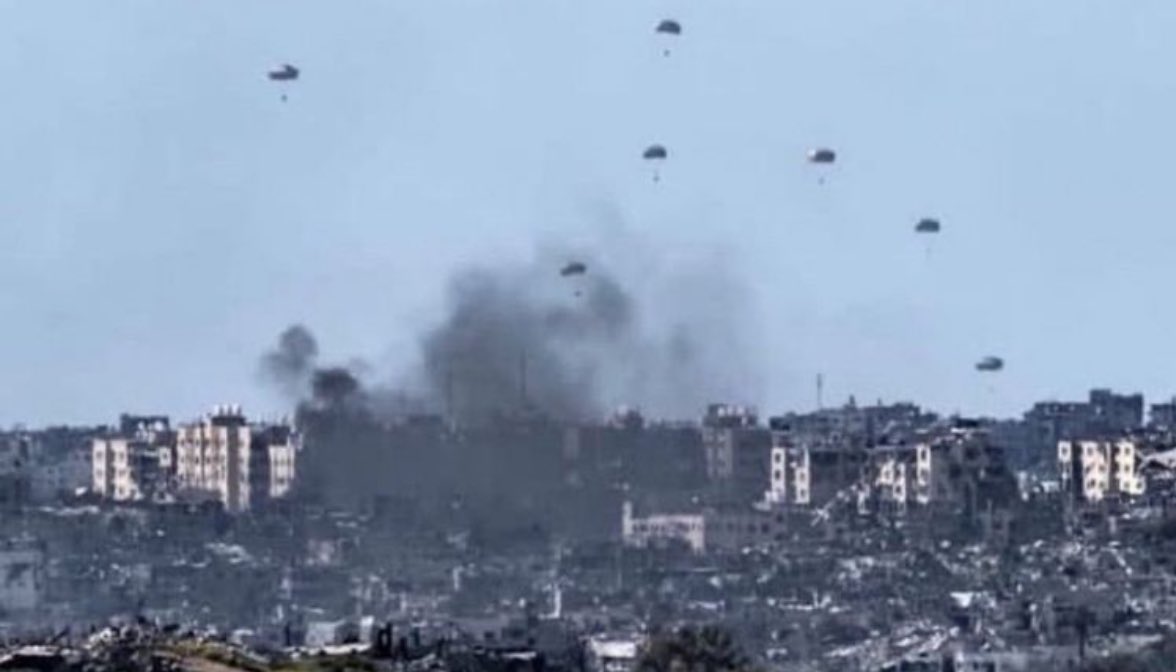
column 948, row 469
column 778, row 477
column 132, row 466
column 283, row 454
column 126, row 469
column 225, row 458
column 1092, row 470
column 790, row 477
column 212, row 457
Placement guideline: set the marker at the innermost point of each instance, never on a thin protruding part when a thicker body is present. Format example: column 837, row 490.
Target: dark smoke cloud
column 334, row 386
column 290, row 364
column 525, row 338
column 666, row 335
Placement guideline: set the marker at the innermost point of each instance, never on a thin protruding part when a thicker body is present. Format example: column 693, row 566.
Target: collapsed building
column 708, row 530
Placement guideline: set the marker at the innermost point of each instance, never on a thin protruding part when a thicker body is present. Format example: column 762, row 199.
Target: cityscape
column 611, row 336
column 862, row 536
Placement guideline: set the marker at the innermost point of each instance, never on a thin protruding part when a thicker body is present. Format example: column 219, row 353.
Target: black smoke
column 525, row 340
column 520, row 343
column 290, row 365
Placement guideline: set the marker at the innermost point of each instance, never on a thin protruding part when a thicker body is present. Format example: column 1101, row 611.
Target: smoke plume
column 290, row 364
column 523, row 340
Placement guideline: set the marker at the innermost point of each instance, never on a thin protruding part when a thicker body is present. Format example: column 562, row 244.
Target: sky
column 164, row 214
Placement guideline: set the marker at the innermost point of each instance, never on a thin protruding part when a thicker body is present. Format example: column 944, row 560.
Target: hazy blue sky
column 164, row 215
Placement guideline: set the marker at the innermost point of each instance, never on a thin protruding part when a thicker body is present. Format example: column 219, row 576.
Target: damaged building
column 221, row 457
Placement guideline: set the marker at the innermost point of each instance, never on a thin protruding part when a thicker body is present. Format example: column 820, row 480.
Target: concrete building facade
column 1093, row 470
column 135, row 464
column 738, row 452
column 224, row 458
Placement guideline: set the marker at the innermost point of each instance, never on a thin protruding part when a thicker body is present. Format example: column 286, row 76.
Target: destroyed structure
column 852, row 538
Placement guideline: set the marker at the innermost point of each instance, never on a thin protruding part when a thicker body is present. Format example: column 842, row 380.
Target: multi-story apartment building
column 790, row 478
column 1104, row 415
column 224, row 458
column 738, row 451
column 812, row 473
column 1095, row 469
column 134, row 464
column 274, row 462
column 124, row 468
column 895, row 474
column 220, row 458
column 953, row 468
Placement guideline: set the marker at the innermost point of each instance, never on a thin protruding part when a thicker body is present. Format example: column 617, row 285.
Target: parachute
column 822, row 155
column 573, row 268
column 655, row 153
column 286, row 73
column 990, row 364
column 927, row 225
column 670, row 28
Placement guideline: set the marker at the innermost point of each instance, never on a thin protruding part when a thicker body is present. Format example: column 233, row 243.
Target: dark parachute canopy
column 669, row 27
column 573, row 268
column 655, row 153
column 990, row 364
column 927, row 225
column 822, row 155
column 286, row 73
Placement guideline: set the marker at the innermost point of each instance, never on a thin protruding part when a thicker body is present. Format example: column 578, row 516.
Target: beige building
column 223, row 457
column 1092, row 470
column 790, row 477
column 115, row 472
column 812, row 473
column 134, row 465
